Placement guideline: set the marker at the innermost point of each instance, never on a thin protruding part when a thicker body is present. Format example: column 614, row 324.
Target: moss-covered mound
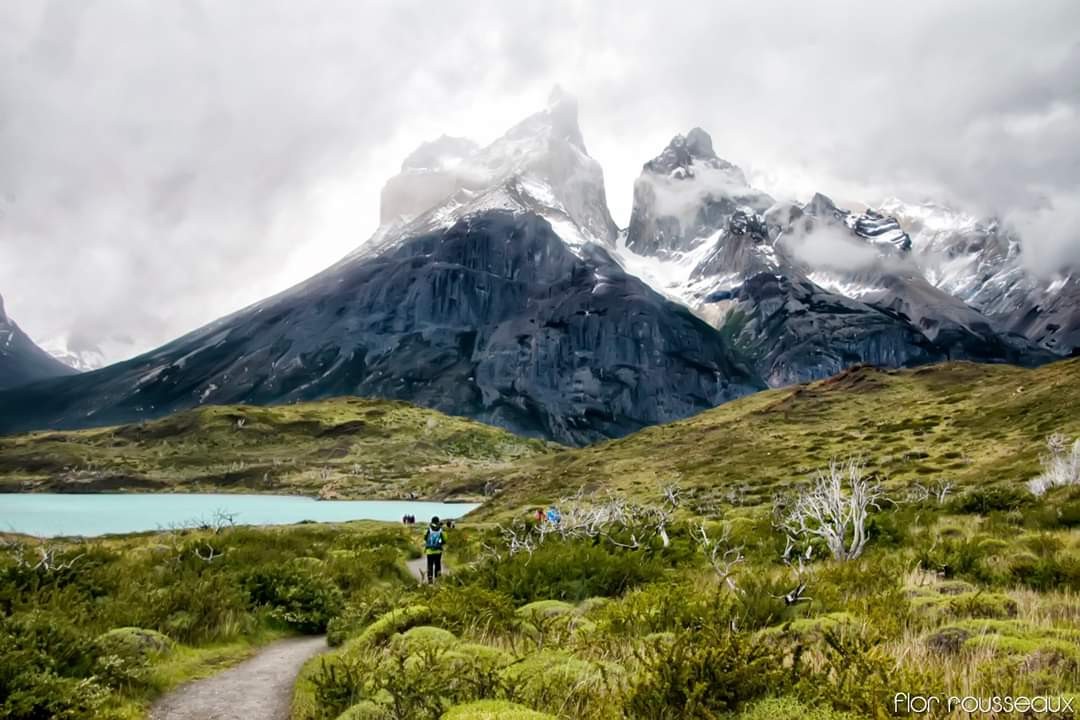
column 545, row 609
column 425, row 638
column 133, row 643
column 494, row 710
column 394, row 622
column 366, row 710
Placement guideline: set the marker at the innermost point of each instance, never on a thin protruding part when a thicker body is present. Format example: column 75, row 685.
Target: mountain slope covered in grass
column 964, row 423
column 339, row 447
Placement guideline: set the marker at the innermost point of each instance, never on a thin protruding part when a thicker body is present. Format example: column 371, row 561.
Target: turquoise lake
column 56, row 514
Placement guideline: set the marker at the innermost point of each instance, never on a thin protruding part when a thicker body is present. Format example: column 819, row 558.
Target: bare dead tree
column 834, row 509
column 798, row 593
column 39, row 556
column 1061, row 465
column 919, row 493
column 942, row 490
column 221, row 521
column 722, row 557
column 206, row 552
column 519, row 538
column 609, row 517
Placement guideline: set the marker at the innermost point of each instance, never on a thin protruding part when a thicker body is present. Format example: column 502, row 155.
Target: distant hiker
column 553, row 515
column 434, row 541
column 539, row 515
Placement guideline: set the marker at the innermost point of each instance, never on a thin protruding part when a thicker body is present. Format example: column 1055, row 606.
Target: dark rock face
column 797, row 332
column 1049, row 317
column 494, row 318
column 21, row 360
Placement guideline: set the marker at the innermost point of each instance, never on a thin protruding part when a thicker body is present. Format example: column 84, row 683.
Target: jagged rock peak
column 539, row 165
column 562, row 109
column 686, row 153
column 821, row 206
column 699, row 143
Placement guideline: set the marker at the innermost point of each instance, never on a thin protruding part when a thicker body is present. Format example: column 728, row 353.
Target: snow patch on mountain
column 83, row 359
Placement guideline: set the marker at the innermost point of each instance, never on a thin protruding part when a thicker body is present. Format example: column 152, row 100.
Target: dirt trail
column 418, row 567
column 258, row 688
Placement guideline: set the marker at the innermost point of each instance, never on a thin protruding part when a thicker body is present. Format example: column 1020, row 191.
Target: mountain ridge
column 498, row 287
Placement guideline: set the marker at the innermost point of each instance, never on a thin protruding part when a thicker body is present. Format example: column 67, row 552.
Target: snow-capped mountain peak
column 539, row 165
column 685, row 195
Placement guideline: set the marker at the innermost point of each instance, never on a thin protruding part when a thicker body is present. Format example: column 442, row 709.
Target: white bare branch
column 834, row 509
column 721, row 555
column 1061, row 465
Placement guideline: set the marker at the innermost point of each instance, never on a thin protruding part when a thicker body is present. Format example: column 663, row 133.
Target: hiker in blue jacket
column 434, row 541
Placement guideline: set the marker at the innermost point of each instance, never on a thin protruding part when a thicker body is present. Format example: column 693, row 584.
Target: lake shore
column 100, row 514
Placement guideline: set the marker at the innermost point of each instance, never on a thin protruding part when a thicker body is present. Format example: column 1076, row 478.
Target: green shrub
column 364, row 608
column 494, row 710
column 790, row 709
column 124, row 656
column 848, row 669
column 477, row 669
column 1047, row 566
column 657, row 607
column 38, row 640
column 557, row 679
column 193, row 606
column 416, row 678
column 463, row 608
column 41, row 695
column 569, row 570
column 703, row 674
column 297, row 595
column 366, row 710
column 425, row 638
column 355, row 570
column 992, row 498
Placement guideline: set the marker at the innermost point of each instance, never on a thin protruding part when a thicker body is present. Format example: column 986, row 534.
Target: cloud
column 832, row 248
column 1051, row 235
column 166, row 163
column 682, row 198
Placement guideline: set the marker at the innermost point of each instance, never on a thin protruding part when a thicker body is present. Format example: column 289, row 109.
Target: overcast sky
column 164, row 163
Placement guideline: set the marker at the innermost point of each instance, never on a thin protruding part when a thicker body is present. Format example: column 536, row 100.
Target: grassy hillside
column 974, row 596
column 347, row 447
column 960, row 422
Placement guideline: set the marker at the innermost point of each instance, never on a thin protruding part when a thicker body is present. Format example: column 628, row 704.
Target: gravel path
column 259, row 688
column 418, row 567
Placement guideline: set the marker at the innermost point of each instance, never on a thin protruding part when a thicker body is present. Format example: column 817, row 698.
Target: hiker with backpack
column 434, row 541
